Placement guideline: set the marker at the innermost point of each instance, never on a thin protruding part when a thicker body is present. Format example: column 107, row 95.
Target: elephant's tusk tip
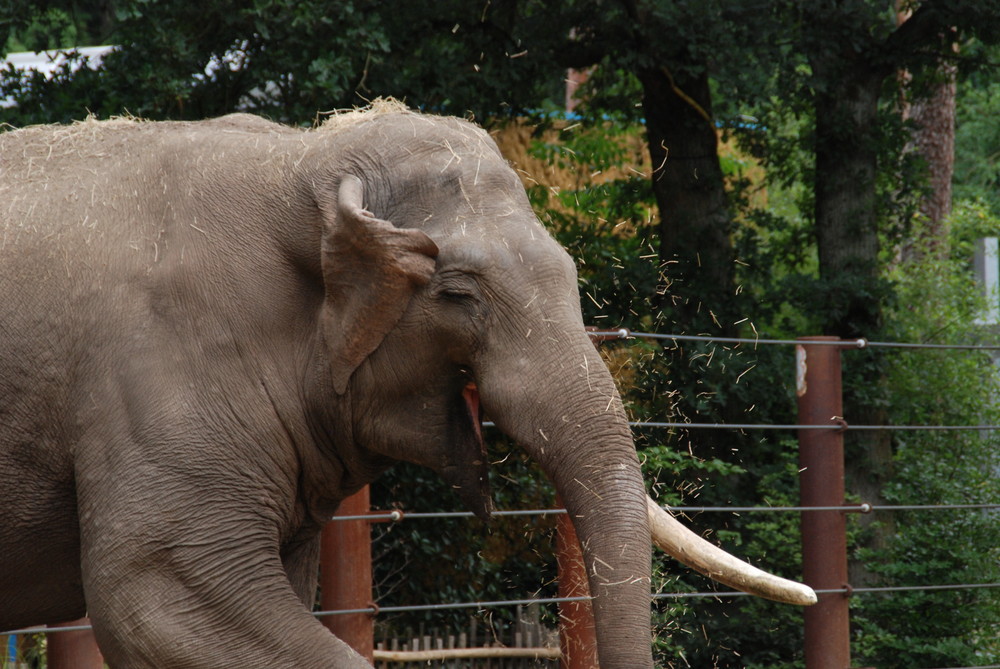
column 799, row 594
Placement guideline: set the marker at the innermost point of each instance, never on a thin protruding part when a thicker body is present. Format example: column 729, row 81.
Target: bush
column 937, row 303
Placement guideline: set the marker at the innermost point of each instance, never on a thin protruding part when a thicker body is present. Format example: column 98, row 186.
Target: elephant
column 212, row 332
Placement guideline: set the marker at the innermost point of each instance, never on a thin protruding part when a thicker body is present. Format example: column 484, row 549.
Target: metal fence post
column 821, row 476
column 346, row 575
column 577, row 633
column 75, row 649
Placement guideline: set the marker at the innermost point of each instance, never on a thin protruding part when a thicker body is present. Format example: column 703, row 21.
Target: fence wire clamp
column 394, row 516
column 865, row 508
column 374, row 610
column 841, row 424
column 600, row 336
column 848, row 591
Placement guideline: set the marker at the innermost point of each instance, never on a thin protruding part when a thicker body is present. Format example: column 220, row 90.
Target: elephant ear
column 370, row 271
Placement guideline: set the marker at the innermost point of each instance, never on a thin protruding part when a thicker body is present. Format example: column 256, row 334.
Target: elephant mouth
column 467, row 470
column 470, row 393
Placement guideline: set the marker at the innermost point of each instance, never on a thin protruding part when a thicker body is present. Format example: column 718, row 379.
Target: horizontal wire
column 833, row 426
column 861, row 342
column 831, row 591
column 369, row 610
column 46, row 630
column 396, row 515
column 858, row 508
column 469, row 514
column 907, row 588
column 624, row 333
column 454, row 605
column 957, row 347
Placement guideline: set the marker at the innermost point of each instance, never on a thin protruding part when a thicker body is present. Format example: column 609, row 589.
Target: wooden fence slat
column 467, row 653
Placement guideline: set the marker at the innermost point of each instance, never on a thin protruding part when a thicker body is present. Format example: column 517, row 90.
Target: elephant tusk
column 688, row 548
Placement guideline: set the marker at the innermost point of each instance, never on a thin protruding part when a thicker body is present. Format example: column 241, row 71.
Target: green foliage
column 937, row 303
column 165, row 69
column 51, row 28
column 605, row 225
column 287, row 60
column 977, row 144
column 31, row 651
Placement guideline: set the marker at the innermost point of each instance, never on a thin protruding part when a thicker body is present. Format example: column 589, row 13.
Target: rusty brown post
column 821, row 476
column 577, row 633
column 346, row 575
column 73, row 649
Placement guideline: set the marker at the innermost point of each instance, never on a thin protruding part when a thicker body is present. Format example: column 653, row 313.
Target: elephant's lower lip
column 471, row 396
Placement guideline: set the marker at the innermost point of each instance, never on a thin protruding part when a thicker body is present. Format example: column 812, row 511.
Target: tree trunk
column 933, row 116
column 934, row 140
column 696, row 251
column 846, row 223
column 847, row 238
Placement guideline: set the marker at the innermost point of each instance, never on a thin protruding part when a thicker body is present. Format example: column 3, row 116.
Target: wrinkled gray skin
column 207, row 342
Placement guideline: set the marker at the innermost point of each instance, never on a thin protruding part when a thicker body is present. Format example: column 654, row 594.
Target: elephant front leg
column 191, row 584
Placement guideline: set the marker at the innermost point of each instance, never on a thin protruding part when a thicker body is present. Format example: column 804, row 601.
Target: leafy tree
column 940, row 305
column 977, row 138
column 182, row 60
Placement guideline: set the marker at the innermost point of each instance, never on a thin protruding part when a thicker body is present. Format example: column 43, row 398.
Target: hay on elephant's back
column 339, row 119
column 46, row 142
column 453, row 135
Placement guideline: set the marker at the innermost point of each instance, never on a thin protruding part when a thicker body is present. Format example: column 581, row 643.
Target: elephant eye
column 461, row 290
column 455, row 293
column 456, row 287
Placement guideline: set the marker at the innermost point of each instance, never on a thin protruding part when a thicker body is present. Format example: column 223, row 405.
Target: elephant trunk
column 567, row 414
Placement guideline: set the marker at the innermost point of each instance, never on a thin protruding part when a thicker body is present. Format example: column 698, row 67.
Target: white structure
column 47, row 62
column 988, row 276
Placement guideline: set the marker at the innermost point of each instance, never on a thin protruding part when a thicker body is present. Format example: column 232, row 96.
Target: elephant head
column 461, row 303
